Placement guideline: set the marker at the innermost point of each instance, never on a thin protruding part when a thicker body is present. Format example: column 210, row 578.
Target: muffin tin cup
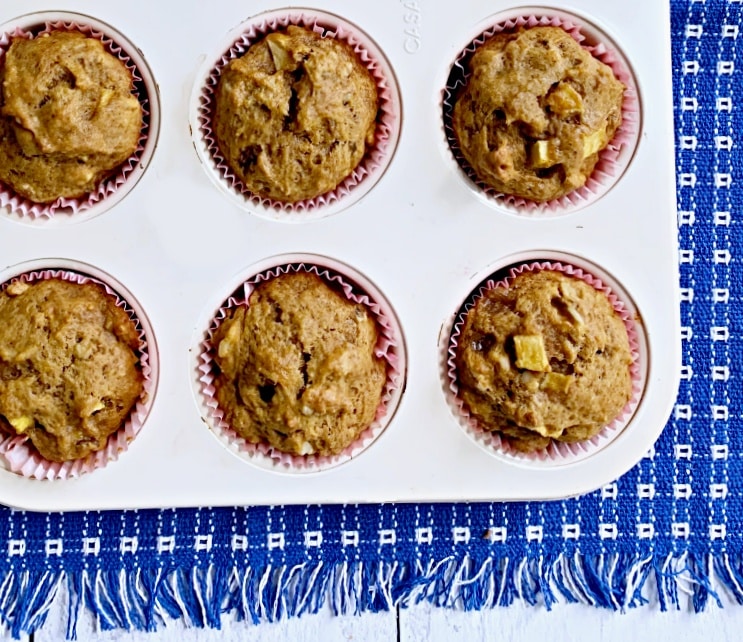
column 377, row 158
column 390, row 347
column 613, row 160
column 17, row 453
column 557, row 453
column 114, row 188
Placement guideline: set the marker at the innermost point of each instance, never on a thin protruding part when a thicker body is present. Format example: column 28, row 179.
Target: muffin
column 297, row 367
column 542, row 357
column 535, row 113
column 295, row 115
column 68, row 117
column 69, row 367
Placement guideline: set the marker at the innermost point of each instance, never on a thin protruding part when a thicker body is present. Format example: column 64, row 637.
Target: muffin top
column 298, row 368
column 67, row 115
column 295, row 114
column 546, row 357
column 535, row 113
column 69, row 370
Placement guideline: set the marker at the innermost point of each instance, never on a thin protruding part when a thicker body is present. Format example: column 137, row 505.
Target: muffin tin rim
column 349, row 274
column 317, row 211
column 589, row 266
column 594, row 31
column 149, row 393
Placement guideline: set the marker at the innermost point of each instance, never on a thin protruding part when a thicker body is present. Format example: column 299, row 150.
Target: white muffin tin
column 421, row 235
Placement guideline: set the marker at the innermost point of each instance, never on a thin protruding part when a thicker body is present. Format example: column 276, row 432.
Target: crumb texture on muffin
column 68, row 116
column 298, row 368
column 69, row 370
column 545, row 358
column 295, row 114
column 536, row 111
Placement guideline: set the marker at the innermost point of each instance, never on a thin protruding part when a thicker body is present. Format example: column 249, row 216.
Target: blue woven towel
column 676, row 515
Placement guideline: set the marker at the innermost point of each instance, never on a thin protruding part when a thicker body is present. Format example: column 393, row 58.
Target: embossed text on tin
column 411, row 18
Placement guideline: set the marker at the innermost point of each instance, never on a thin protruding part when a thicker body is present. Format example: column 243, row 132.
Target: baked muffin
column 68, row 117
column 545, row 358
column 295, row 114
column 536, row 111
column 297, row 367
column 69, row 370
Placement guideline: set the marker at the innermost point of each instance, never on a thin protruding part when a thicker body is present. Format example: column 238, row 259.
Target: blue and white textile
column 677, row 517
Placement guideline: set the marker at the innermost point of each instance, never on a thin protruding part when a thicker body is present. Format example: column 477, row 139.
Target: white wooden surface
column 566, row 623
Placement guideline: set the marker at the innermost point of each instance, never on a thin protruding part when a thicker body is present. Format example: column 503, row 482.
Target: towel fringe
column 145, row 600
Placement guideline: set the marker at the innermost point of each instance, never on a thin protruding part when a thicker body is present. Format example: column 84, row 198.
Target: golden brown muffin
column 546, row 358
column 297, row 367
column 69, row 371
column 68, row 117
column 536, row 112
column 295, row 114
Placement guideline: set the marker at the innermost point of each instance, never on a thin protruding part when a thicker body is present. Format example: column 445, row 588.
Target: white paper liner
column 18, row 452
column 612, row 161
column 377, row 155
column 387, row 348
column 23, row 207
column 557, row 453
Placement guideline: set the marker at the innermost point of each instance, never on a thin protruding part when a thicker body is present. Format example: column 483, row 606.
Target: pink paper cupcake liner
column 19, row 454
column 389, row 348
column 557, row 453
column 613, row 160
column 25, row 208
column 378, row 155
